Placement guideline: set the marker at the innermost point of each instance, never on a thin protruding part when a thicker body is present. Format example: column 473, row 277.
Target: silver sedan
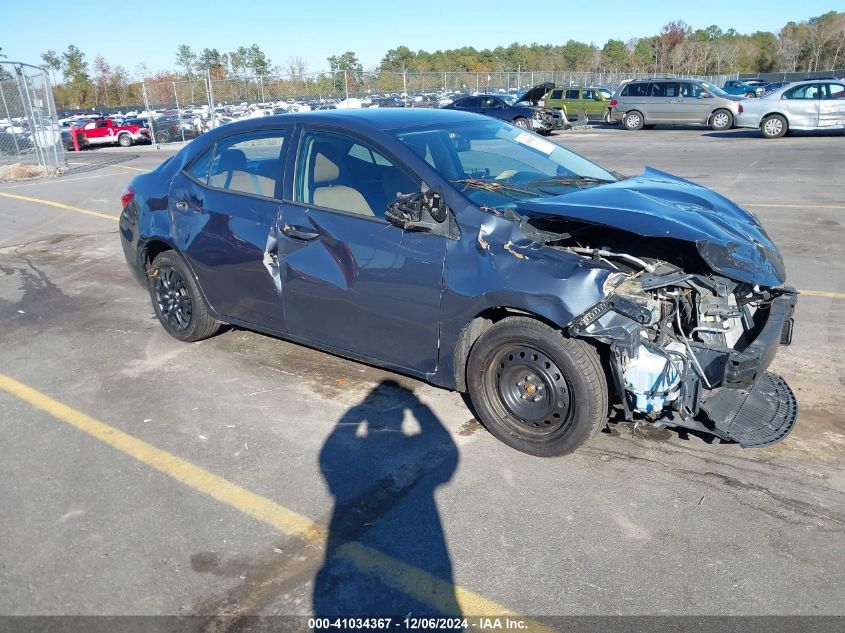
column 805, row 105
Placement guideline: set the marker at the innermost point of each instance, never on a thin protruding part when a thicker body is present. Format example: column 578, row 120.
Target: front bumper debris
column 758, row 416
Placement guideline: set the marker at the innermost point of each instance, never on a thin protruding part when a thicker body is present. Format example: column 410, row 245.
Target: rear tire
column 633, row 120
column 178, row 303
column 535, row 389
column 721, row 120
column 124, row 140
column 163, row 137
column 773, row 126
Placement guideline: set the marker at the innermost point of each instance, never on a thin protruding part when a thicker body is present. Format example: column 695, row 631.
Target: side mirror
column 415, row 211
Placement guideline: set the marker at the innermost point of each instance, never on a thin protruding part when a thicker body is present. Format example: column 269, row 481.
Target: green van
column 594, row 100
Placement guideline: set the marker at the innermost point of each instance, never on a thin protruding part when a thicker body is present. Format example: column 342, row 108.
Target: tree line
column 814, row 44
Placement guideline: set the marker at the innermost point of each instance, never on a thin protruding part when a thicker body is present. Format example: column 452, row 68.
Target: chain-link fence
column 29, row 132
column 180, row 110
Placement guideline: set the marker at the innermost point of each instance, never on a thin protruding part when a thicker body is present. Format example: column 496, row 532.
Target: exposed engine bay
column 688, row 347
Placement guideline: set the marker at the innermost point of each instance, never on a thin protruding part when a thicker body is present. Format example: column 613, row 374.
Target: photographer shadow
column 382, row 463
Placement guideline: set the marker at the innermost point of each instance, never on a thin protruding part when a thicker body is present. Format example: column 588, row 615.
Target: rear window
column 636, row 90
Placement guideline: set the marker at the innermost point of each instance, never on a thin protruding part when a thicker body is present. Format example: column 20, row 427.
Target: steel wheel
column 532, row 389
column 172, row 298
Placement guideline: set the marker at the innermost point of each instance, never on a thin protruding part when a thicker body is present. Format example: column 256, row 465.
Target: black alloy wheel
column 172, row 299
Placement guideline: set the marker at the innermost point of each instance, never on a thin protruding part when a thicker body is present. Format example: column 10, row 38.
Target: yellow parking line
column 822, row 293
column 796, row 205
column 59, row 205
column 394, row 573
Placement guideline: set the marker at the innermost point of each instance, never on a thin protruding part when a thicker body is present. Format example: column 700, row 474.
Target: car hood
column 656, row 204
column 536, row 93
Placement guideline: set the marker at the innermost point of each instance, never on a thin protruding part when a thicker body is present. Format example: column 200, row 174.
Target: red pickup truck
column 107, row 132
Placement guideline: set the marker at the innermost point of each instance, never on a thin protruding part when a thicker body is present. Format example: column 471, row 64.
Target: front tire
column 178, row 303
column 633, row 120
column 773, row 126
column 721, row 120
column 535, row 389
column 522, row 122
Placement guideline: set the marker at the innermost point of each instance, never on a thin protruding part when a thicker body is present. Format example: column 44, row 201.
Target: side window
column 572, row 94
column 589, row 95
column 833, row 91
column 556, row 94
column 90, row 125
column 249, row 163
column 337, row 172
column 807, row 91
column 665, row 89
column 689, row 89
column 102, row 124
column 637, row 90
column 469, row 102
column 199, row 168
column 487, row 102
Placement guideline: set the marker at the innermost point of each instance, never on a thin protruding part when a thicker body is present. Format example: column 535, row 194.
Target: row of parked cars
column 775, row 109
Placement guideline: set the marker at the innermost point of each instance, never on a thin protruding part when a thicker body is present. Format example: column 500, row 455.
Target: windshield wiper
column 495, row 186
column 570, row 181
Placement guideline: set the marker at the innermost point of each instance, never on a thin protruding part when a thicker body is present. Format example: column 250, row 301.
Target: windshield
column 714, row 89
column 496, row 165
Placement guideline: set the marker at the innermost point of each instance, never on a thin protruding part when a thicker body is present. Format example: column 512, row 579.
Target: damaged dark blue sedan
column 480, row 257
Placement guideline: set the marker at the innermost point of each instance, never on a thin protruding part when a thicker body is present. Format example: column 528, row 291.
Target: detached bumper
column 753, row 406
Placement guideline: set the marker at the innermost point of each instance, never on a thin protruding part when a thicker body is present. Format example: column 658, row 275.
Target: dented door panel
column 361, row 285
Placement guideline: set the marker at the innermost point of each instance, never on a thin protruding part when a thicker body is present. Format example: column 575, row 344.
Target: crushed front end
column 547, row 120
column 692, row 350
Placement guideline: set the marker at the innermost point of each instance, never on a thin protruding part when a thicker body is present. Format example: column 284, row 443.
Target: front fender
column 494, row 265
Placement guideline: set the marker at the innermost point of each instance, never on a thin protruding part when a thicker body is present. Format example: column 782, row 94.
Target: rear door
column 225, row 206
column 801, row 105
column 832, row 105
column 664, row 103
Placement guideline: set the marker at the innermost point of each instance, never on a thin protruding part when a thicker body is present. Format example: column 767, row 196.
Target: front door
column 225, row 206
column 832, row 105
column 350, row 280
column 694, row 107
column 801, row 105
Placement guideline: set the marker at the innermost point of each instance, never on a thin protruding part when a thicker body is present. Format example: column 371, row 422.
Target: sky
column 149, row 31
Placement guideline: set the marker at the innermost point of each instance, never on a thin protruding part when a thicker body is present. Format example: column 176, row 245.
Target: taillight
column 740, row 108
column 613, row 103
column 127, row 196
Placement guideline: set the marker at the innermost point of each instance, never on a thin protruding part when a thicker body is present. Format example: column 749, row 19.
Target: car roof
column 358, row 119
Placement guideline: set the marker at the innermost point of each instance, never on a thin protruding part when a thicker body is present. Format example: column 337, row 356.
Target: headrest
column 230, row 160
column 324, row 169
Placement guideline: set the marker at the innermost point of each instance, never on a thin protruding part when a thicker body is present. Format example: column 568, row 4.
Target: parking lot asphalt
column 145, row 476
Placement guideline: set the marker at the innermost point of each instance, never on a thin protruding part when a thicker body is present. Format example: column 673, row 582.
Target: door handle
column 185, row 206
column 299, row 233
